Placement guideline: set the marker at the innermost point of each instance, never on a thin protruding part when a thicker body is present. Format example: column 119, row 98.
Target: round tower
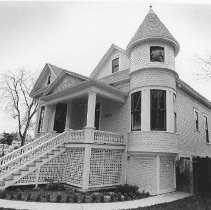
column 153, row 143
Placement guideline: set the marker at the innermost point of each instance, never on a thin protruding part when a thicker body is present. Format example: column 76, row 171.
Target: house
column 127, row 123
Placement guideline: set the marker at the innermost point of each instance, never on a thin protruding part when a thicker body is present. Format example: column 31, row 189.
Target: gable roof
column 152, row 29
column 104, row 59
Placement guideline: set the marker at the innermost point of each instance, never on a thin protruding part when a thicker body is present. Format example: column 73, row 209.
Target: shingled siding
column 153, row 141
column 114, row 116
column 191, row 141
column 140, row 57
column 152, row 77
column 141, row 171
column 106, row 70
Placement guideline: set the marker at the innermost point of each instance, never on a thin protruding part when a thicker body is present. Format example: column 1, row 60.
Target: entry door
column 60, row 118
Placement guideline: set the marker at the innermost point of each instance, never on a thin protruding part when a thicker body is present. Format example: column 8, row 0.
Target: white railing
column 22, row 150
column 38, row 151
column 105, row 137
column 75, row 135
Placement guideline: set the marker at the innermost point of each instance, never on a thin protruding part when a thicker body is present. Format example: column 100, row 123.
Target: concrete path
column 164, row 198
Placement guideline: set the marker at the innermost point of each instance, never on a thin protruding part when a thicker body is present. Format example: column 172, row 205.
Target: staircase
column 28, row 158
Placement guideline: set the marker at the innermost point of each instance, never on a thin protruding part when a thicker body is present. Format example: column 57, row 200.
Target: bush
column 48, row 198
column 68, row 199
column 19, row 197
column 3, row 195
column 38, row 198
column 75, row 199
column 126, row 188
column 102, row 200
column 126, row 197
column 84, row 199
column 94, row 198
column 59, row 198
column 119, row 198
column 112, row 198
column 28, row 198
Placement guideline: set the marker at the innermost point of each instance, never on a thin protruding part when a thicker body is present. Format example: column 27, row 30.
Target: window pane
column 136, row 121
column 115, row 65
column 156, row 54
column 136, row 111
column 196, row 115
column 158, row 109
column 41, row 119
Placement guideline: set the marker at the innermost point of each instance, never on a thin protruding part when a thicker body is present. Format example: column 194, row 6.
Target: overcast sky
column 75, row 35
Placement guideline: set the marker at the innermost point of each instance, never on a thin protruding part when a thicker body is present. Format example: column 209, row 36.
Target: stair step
column 32, row 165
column 8, row 178
column 16, row 173
column 25, row 168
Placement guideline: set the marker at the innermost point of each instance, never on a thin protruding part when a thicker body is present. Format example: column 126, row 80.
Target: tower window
column 136, row 111
column 158, row 110
column 115, row 65
column 157, row 54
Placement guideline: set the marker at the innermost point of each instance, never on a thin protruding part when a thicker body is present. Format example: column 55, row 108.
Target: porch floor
column 164, row 198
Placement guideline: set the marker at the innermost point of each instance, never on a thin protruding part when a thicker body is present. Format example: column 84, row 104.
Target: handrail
column 20, row 151
column 37, row 152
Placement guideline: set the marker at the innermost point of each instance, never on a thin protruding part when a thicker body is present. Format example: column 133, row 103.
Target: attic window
column 157, row 54
column 115, row 65
column 49, row 80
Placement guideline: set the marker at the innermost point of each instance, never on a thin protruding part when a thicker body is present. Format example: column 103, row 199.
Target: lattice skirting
column 105, row 169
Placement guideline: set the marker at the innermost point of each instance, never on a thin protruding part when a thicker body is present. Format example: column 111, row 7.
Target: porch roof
column 84, row 88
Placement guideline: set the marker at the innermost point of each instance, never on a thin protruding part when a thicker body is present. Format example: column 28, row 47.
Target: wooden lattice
column 105, row 167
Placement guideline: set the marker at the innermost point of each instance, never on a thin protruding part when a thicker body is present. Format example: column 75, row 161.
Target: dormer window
column 49, row 80
column 157, row 54
column 115, row 65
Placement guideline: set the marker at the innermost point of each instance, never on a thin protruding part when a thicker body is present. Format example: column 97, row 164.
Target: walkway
column 165, row 198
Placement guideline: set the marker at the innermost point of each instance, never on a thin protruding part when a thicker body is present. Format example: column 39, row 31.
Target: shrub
column 11, row 196
column 3, row 195
column 119, row 198
column 68, row 199
column 126, row 197
column 126, row 188
column 112, row 198
column 102, row 200
column 94, row 198
column 19, row 197
column 59, row 198
column 75, row 199
column 84, row 199
column 28, row 198
column 38, row 198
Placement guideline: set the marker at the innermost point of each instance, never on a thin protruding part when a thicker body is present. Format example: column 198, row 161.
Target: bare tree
column 204, row 66
column 15, row 90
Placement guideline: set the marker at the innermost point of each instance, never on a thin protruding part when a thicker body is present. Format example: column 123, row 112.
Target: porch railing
column 105, row 137
column 39, row 150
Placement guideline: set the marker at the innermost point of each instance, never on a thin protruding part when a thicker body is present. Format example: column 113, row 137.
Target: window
column 158, row 109
column 206, row 129
column 136, row 111
column 115, row 65
column 97, row 116
column 157, row 54
column 49, row 80
column 196, row 118
column 175, row 122
column 40, row 125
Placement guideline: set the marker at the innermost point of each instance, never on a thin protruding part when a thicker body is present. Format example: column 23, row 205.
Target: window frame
column 206, row 128
column 196, row 121
column 115, row 66
column 136, row 111
column 150, row 52
column 163, row 110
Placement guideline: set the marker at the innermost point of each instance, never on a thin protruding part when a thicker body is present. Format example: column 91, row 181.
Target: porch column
column 90, row 123
column 46, row 118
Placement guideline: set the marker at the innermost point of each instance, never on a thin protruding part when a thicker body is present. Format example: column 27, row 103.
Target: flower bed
column 59, row 193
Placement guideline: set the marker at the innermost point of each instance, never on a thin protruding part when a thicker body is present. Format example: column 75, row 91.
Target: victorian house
column 127, row 123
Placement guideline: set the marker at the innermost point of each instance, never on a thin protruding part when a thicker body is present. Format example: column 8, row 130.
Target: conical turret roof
column 152, row 29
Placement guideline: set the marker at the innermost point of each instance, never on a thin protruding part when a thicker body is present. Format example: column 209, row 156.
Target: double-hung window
column 136, row 111
column 115, row 65
column 158, row 109
column 196, row 119
column 206, row 129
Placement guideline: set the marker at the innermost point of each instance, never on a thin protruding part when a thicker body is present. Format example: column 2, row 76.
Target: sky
column 75, row 35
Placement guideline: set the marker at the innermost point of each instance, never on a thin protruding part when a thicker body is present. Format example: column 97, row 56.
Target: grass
column 191, row 203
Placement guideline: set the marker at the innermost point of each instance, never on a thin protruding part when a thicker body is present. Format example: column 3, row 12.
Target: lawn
column 191, row 203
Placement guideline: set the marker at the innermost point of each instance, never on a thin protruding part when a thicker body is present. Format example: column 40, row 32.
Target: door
column 60, row 118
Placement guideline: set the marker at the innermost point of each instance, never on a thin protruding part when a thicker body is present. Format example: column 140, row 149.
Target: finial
column 150, row 8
